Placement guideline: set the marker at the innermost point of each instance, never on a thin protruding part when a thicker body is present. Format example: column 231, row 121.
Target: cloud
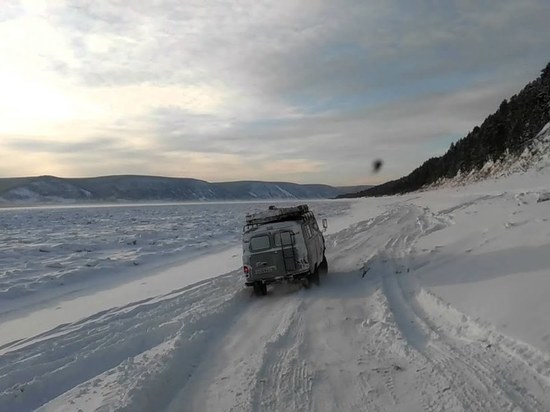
column 11, row 9
column 334, row 146
column 221, row 90
column 287, row 47
column 50, row 146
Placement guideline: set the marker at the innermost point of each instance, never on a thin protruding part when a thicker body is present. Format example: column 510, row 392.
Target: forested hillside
column 507, row 132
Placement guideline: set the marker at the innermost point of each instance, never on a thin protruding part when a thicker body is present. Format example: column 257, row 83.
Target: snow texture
column 434, row 301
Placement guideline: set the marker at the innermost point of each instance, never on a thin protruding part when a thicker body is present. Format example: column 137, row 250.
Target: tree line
column 508, row 131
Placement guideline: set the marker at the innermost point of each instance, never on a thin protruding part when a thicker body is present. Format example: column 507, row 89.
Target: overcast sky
column 304, row 91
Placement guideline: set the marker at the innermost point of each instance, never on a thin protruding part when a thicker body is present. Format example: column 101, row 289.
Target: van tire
column 323, row 267
column 315, row 277
column 306, row 282
column 260, row 289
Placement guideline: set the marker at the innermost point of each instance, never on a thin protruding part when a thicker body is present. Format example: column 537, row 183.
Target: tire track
column 41, row 369
column 490, row 354
column 479, row 382
column 285, row 379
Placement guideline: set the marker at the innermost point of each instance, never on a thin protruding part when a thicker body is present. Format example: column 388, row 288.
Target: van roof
column 276, row 214
column 249, row 229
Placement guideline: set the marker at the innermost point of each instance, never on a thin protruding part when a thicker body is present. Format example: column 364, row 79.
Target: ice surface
column 61, row 247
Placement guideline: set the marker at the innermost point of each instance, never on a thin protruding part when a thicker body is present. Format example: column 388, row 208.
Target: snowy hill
column 536, row 155
column 434, row 301
column 502, row 138
column 50, row 189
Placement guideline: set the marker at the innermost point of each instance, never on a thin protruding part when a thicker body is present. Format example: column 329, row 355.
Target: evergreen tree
column 507, row 131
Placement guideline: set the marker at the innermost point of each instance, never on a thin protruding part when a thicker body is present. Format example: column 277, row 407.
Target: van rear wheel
column 315, row 277
column 323, row 267
column 260, row 289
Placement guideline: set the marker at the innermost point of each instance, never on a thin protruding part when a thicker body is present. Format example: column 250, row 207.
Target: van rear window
column 284, row 237
column 258, row 243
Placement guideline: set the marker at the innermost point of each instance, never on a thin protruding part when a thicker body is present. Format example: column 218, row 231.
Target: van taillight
column 245, row 269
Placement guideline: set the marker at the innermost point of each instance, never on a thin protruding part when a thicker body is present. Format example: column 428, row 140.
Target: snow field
column 434, row 301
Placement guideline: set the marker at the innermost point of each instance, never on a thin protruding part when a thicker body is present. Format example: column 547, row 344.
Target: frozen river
column 48, row 248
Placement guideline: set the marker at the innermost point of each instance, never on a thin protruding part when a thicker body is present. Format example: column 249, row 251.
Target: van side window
column 315, row 226
column 258, row 243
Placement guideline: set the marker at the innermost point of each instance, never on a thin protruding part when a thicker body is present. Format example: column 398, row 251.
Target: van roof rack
column 276, row 214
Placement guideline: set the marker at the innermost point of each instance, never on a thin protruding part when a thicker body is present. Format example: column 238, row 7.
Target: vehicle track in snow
column 254, row 354
column 484, row 369
column 371, row 343
column 368, row 339
column 38, row 369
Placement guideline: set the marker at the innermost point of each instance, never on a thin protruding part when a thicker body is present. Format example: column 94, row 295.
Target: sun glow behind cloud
column 309, row 92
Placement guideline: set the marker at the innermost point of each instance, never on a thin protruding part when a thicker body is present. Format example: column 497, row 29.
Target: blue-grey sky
column 305, row 91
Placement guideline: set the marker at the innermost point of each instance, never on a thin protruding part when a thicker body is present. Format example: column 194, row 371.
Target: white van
column 283, row 244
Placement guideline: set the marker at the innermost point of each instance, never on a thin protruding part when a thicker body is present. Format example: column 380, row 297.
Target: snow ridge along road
column 373, row 337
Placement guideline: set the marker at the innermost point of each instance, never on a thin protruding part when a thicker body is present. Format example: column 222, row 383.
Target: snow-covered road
column 400, row 323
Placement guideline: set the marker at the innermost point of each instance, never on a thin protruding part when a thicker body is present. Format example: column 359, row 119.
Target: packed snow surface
column 434, row 301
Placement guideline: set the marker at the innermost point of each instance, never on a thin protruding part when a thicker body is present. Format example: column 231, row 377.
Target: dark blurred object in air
column 377, row 165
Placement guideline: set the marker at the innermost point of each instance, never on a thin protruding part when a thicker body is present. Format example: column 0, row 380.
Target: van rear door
column 265, row 261
column 284, row 240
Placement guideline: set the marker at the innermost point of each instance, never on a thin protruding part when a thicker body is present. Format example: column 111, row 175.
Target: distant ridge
column 505, row 134
column 135, row 188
